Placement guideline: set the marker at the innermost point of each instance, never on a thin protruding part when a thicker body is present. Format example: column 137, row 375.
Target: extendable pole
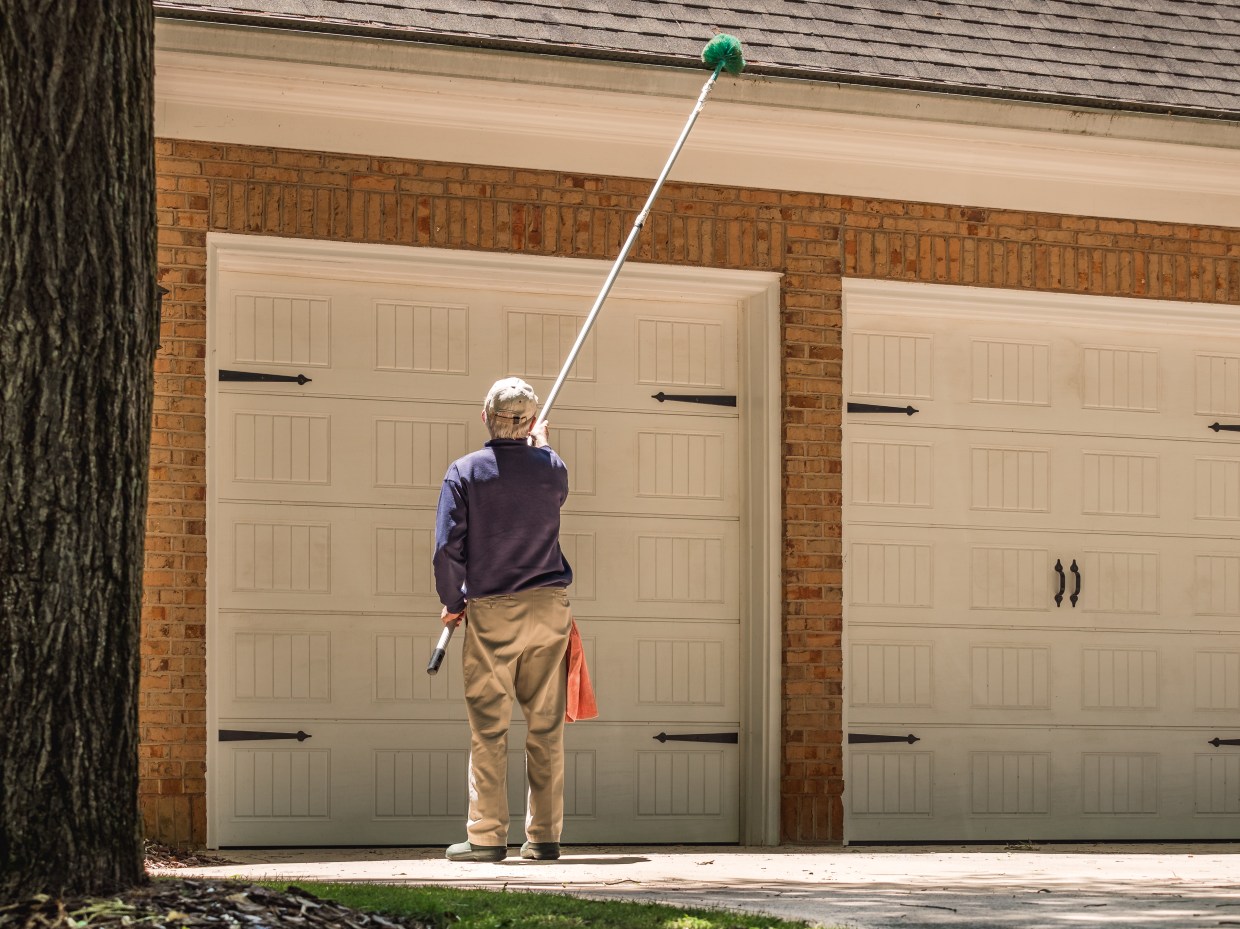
column 624, row 252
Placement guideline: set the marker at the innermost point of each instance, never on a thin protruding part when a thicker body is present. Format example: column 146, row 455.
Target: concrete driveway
column 1157, row 886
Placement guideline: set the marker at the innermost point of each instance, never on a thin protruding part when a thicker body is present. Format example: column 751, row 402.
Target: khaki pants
column 514, row 647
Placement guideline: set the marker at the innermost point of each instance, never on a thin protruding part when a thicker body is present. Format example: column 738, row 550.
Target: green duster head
column 724, row 50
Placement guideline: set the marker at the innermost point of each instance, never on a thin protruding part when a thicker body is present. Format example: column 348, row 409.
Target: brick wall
column 814, row 240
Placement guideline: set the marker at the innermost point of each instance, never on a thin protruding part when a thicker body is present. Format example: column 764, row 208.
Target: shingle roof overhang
column 361, row 30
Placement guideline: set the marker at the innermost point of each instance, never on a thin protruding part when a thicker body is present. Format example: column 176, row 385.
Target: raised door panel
column 407, row 340
column 664, row 673
column 623, row 464
column 918, row 674
column 400, row 784
column 388, row 783
column 328, row 450
column 656, row 791
column 1077, row 380
column 1041, row 784
column 1009, row 579
column 910, row 474
column 324, row 665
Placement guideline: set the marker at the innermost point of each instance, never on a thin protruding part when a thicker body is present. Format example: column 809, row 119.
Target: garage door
column 1042, row 568
column 338, row 401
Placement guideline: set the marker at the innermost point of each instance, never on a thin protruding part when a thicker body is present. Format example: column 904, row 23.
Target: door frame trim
column 996, row 304
column 757, row 296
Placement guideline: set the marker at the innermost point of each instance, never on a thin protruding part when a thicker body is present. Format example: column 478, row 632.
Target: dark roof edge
column 598, row 54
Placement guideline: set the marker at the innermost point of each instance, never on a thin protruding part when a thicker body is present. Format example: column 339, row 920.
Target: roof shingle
column 1180, row 55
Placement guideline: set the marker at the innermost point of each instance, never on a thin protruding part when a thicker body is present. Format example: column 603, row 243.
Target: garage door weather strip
column 722, row 53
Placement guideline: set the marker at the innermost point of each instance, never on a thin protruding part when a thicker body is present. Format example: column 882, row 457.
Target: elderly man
column 497, row 547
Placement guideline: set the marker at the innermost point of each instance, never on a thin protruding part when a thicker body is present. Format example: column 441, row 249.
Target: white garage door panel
column 669, row 570
column 397, row 784
column 920, row 574
column 1050, row 433
column 652, row 462
column 911, row 675
column 385, row 340
column 331, row 450
column 1039, row 783
column 1085, row 380
column 338, row 558
column 663, row 670
column 995, row 479
column 392, row 784
column 378, row 559
column 331, row 665
column 678, row 789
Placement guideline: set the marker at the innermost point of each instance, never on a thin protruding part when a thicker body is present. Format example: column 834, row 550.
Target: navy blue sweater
column 497, row 530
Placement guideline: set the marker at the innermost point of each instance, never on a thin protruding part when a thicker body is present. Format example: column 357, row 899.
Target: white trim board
column 760, row 405
column 284, row 89
column 902, row 298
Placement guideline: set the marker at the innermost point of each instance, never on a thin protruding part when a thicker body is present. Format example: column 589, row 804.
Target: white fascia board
column 402, row 100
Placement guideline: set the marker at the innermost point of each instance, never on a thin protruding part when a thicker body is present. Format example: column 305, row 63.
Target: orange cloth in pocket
column 581, row 703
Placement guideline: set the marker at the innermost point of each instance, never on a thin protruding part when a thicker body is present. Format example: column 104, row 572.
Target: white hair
column 510, row 407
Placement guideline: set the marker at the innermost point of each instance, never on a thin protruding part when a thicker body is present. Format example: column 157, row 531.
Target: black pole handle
column 441, row 649
column 1063, row 582
column 1076, row 593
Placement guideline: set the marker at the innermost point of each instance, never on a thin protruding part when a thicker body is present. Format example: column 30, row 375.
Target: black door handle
column 1063, row 582
column 1076, row 593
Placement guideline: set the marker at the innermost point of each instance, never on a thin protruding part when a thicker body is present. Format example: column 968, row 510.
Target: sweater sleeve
column 561, row 474
column 451, row 525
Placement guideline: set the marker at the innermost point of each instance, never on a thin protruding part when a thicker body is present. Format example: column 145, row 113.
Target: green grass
column 445, row 907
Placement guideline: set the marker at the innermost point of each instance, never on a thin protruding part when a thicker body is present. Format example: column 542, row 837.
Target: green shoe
column 541, row 851
column 468, row 851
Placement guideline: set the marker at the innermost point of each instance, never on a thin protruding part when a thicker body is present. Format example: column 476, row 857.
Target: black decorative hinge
column 246, row 735
column 862, row 737
column 712, row 399
column 729, row 737
column 879, row 408
column 1230, row 427
column 1216, row 742
column 259, row 376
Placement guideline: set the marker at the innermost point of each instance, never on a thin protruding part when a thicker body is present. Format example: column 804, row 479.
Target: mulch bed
column 159, row 858
column 198, row 903
column 184, row 904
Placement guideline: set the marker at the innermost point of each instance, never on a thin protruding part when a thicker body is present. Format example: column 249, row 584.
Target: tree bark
column 78, row 332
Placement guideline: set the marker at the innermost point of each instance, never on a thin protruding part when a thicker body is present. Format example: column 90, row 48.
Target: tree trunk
column 78, row 331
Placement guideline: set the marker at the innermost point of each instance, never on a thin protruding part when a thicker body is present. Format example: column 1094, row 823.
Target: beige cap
column 512, row 399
